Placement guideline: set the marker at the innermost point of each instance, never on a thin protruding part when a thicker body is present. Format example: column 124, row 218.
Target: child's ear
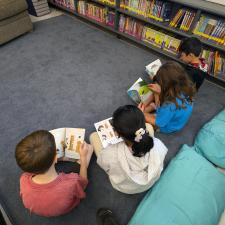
column 191, row 55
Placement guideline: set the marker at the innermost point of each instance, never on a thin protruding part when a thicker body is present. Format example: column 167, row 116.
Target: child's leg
column 67, row 167
column 150, row 129
column 96, row 143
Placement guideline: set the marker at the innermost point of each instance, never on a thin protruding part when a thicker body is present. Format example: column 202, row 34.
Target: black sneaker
column 105, row 217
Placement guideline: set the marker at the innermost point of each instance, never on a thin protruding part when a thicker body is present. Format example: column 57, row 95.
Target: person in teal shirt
column 172, row 99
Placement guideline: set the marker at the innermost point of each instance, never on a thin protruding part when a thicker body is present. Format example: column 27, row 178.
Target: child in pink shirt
column 44, row 191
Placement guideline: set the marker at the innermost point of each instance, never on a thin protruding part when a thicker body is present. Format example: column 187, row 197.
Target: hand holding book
column 83, row 150
column 155, row 88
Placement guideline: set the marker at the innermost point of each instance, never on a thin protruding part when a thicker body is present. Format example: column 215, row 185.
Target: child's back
column 170, row 119
column 135, row 164
column 54, row 198
column 42, row 189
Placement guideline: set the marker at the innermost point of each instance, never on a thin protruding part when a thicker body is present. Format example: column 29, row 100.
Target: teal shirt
column 170, row 119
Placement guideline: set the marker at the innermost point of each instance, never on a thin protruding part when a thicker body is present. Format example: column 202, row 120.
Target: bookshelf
column 198, row 8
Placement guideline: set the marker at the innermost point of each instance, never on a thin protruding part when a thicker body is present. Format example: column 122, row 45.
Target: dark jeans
column 67, row 167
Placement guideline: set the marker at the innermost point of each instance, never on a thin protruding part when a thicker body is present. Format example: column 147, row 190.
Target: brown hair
column 36, row 152
column 174, row 83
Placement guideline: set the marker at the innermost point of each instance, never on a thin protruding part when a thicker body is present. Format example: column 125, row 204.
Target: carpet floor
column 68, row 73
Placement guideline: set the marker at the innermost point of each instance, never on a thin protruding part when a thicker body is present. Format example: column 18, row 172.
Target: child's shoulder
column 202, row 65
column 69, row 176
column 26, row 176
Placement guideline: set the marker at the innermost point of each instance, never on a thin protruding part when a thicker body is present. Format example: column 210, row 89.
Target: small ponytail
column 143, row 146
column 129, row 122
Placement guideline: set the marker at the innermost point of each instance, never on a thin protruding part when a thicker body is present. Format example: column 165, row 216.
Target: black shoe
column 105, row 217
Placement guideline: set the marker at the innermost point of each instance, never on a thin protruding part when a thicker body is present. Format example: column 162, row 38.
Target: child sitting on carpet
column 190, row 50
column 43, row 190
column 135, row 164
column 173, row 98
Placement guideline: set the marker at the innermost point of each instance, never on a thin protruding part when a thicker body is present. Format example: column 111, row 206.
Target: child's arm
column 150, row 118
column 83, row 160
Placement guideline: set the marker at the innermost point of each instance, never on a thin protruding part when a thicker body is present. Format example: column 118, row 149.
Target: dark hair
column 191, row 45
column 126, row 121
column 174, row 83
column 36, row 152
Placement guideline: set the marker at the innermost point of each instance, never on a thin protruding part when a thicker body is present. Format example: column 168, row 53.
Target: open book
column 139, row 91
column 68, row 143
column 106, row 133
column 152, row 68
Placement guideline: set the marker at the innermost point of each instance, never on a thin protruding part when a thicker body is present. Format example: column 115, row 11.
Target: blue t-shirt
column 170, row 119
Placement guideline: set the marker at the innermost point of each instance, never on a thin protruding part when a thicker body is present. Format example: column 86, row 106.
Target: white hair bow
column 138, row 134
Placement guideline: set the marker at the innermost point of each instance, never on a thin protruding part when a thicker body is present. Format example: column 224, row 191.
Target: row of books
column 154, row 37
column 183, row 19
column 131, row 26
column 158, row 10
column 108, row 2
column 65, row 3
column 99, row 13
column 211, row 29
column 216, row 63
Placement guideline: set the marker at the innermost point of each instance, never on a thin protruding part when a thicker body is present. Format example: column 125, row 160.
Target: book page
column 106, row 133
column 153, row 67
column 74, row 139
column 139, row 91
column 59, row 135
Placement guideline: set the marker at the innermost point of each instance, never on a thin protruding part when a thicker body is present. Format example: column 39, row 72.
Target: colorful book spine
column 161, row 40
column 130, row 26
column 216, row 63
column 211, row 29
column 183, row 19
column 157, row 10
column 65, row 3
column 99, row 13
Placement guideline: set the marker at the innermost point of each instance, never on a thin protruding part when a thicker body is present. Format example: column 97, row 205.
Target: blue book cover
column 166, row 11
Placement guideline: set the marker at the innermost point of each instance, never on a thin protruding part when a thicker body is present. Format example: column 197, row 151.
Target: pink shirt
column 55, row 198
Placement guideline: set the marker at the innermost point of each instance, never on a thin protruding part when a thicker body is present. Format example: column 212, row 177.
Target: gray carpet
column 67, row 73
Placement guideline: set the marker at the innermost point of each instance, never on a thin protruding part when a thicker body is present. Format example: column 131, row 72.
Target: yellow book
column 159, row 38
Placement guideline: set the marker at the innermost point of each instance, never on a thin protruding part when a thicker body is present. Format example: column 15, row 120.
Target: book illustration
column 106, row 133
column 153, row 67
column 68, row 142
column 139, row 91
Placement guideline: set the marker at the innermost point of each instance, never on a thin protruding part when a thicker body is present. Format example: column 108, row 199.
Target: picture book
column 153, row 67
column 68, row 142
column 106, row 133
column 139, row 91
